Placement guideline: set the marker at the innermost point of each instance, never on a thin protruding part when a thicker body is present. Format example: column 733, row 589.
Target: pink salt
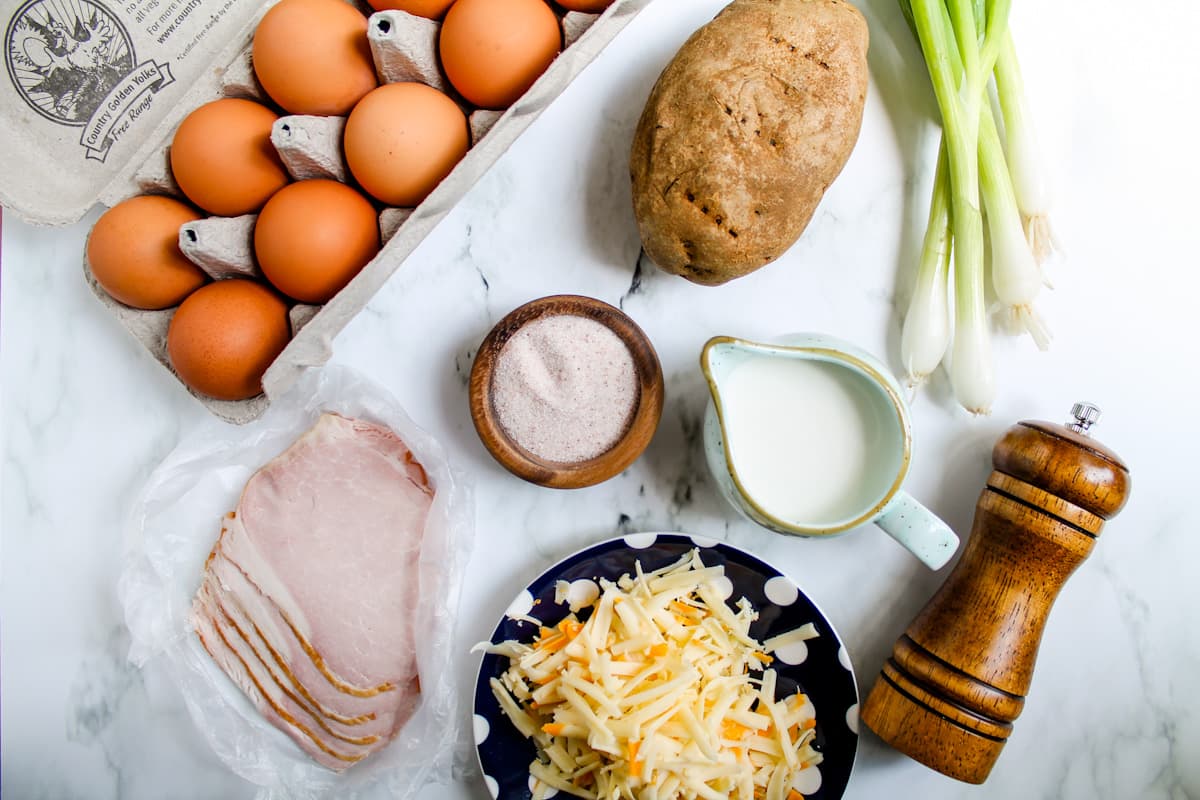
column 564, row 388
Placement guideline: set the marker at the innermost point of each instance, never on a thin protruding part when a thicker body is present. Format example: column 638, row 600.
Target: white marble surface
column 1113, row 712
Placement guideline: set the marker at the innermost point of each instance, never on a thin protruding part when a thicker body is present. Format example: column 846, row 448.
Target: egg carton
column 62, row 151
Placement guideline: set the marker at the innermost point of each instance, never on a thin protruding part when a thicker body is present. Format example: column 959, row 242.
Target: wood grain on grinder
column 958, row 677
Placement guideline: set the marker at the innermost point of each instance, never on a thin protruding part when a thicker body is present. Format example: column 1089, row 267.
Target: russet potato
column 745, row 130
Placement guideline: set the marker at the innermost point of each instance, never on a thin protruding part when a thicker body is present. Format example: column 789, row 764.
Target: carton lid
column 93, row 87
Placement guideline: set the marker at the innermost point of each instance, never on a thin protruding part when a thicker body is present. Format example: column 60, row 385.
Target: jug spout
column 722, row 354
column 714, row 361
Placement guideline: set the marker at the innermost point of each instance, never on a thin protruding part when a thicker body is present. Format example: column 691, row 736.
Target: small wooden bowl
column 556, row 475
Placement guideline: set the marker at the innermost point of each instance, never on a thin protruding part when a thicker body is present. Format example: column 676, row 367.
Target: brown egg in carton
column 404, row 48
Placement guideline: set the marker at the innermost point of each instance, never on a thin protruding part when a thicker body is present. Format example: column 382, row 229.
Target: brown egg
column 493, row 50
column 312, row 56
column 225, row 335
column 402, row 139
column 223, row 159
column 433, row 9
column 134, row 252
column 313, row 237
column 586, row 6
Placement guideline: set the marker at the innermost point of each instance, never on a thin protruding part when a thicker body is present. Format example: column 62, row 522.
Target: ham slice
column 276, row 644
column 272, row 701
column 308, row 597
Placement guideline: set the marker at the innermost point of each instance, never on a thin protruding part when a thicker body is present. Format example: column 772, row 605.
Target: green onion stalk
column 1024, row 159
column 1016, row 276
column 963, row 42
column 926, row 332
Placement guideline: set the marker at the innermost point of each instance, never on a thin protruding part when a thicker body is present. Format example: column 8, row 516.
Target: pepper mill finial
column 1083, row 416
column 957, row 679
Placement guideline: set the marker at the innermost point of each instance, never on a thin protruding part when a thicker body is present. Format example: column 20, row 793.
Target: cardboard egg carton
column 98, row 137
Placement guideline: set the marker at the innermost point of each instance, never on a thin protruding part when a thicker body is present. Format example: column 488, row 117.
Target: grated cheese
column 661, row 694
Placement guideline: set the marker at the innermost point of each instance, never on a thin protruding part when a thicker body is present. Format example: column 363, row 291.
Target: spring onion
column 1024, row 157
column 926, row 332
column 1016, row 275
column 965, row 44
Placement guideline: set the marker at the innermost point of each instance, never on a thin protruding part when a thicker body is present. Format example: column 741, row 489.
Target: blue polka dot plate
column 819, row 667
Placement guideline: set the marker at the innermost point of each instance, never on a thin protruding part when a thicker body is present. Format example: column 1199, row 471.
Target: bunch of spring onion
column 980, row 174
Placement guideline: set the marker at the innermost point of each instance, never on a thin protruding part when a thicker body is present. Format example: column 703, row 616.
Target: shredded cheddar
column 661, row 693
column 734, row 731
column 635, row 766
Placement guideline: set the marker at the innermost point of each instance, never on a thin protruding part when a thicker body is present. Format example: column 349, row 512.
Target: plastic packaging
column 174, row 525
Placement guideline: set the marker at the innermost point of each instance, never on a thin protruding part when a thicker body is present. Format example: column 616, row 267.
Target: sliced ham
column 269, row 633
column 283, row 709
column 375, row 718
column 308, row 597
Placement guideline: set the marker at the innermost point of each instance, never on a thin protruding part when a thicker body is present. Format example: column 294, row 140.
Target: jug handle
column 920, row 530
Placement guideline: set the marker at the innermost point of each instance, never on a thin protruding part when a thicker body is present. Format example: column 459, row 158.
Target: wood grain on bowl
column 519, row 460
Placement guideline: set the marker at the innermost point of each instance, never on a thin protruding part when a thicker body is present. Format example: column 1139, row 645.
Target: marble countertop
column 86, row 414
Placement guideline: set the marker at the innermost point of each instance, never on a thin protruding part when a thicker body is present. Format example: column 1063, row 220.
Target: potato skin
column 746, row 128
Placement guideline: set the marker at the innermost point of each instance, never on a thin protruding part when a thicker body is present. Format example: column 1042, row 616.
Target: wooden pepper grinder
column 958, row 677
